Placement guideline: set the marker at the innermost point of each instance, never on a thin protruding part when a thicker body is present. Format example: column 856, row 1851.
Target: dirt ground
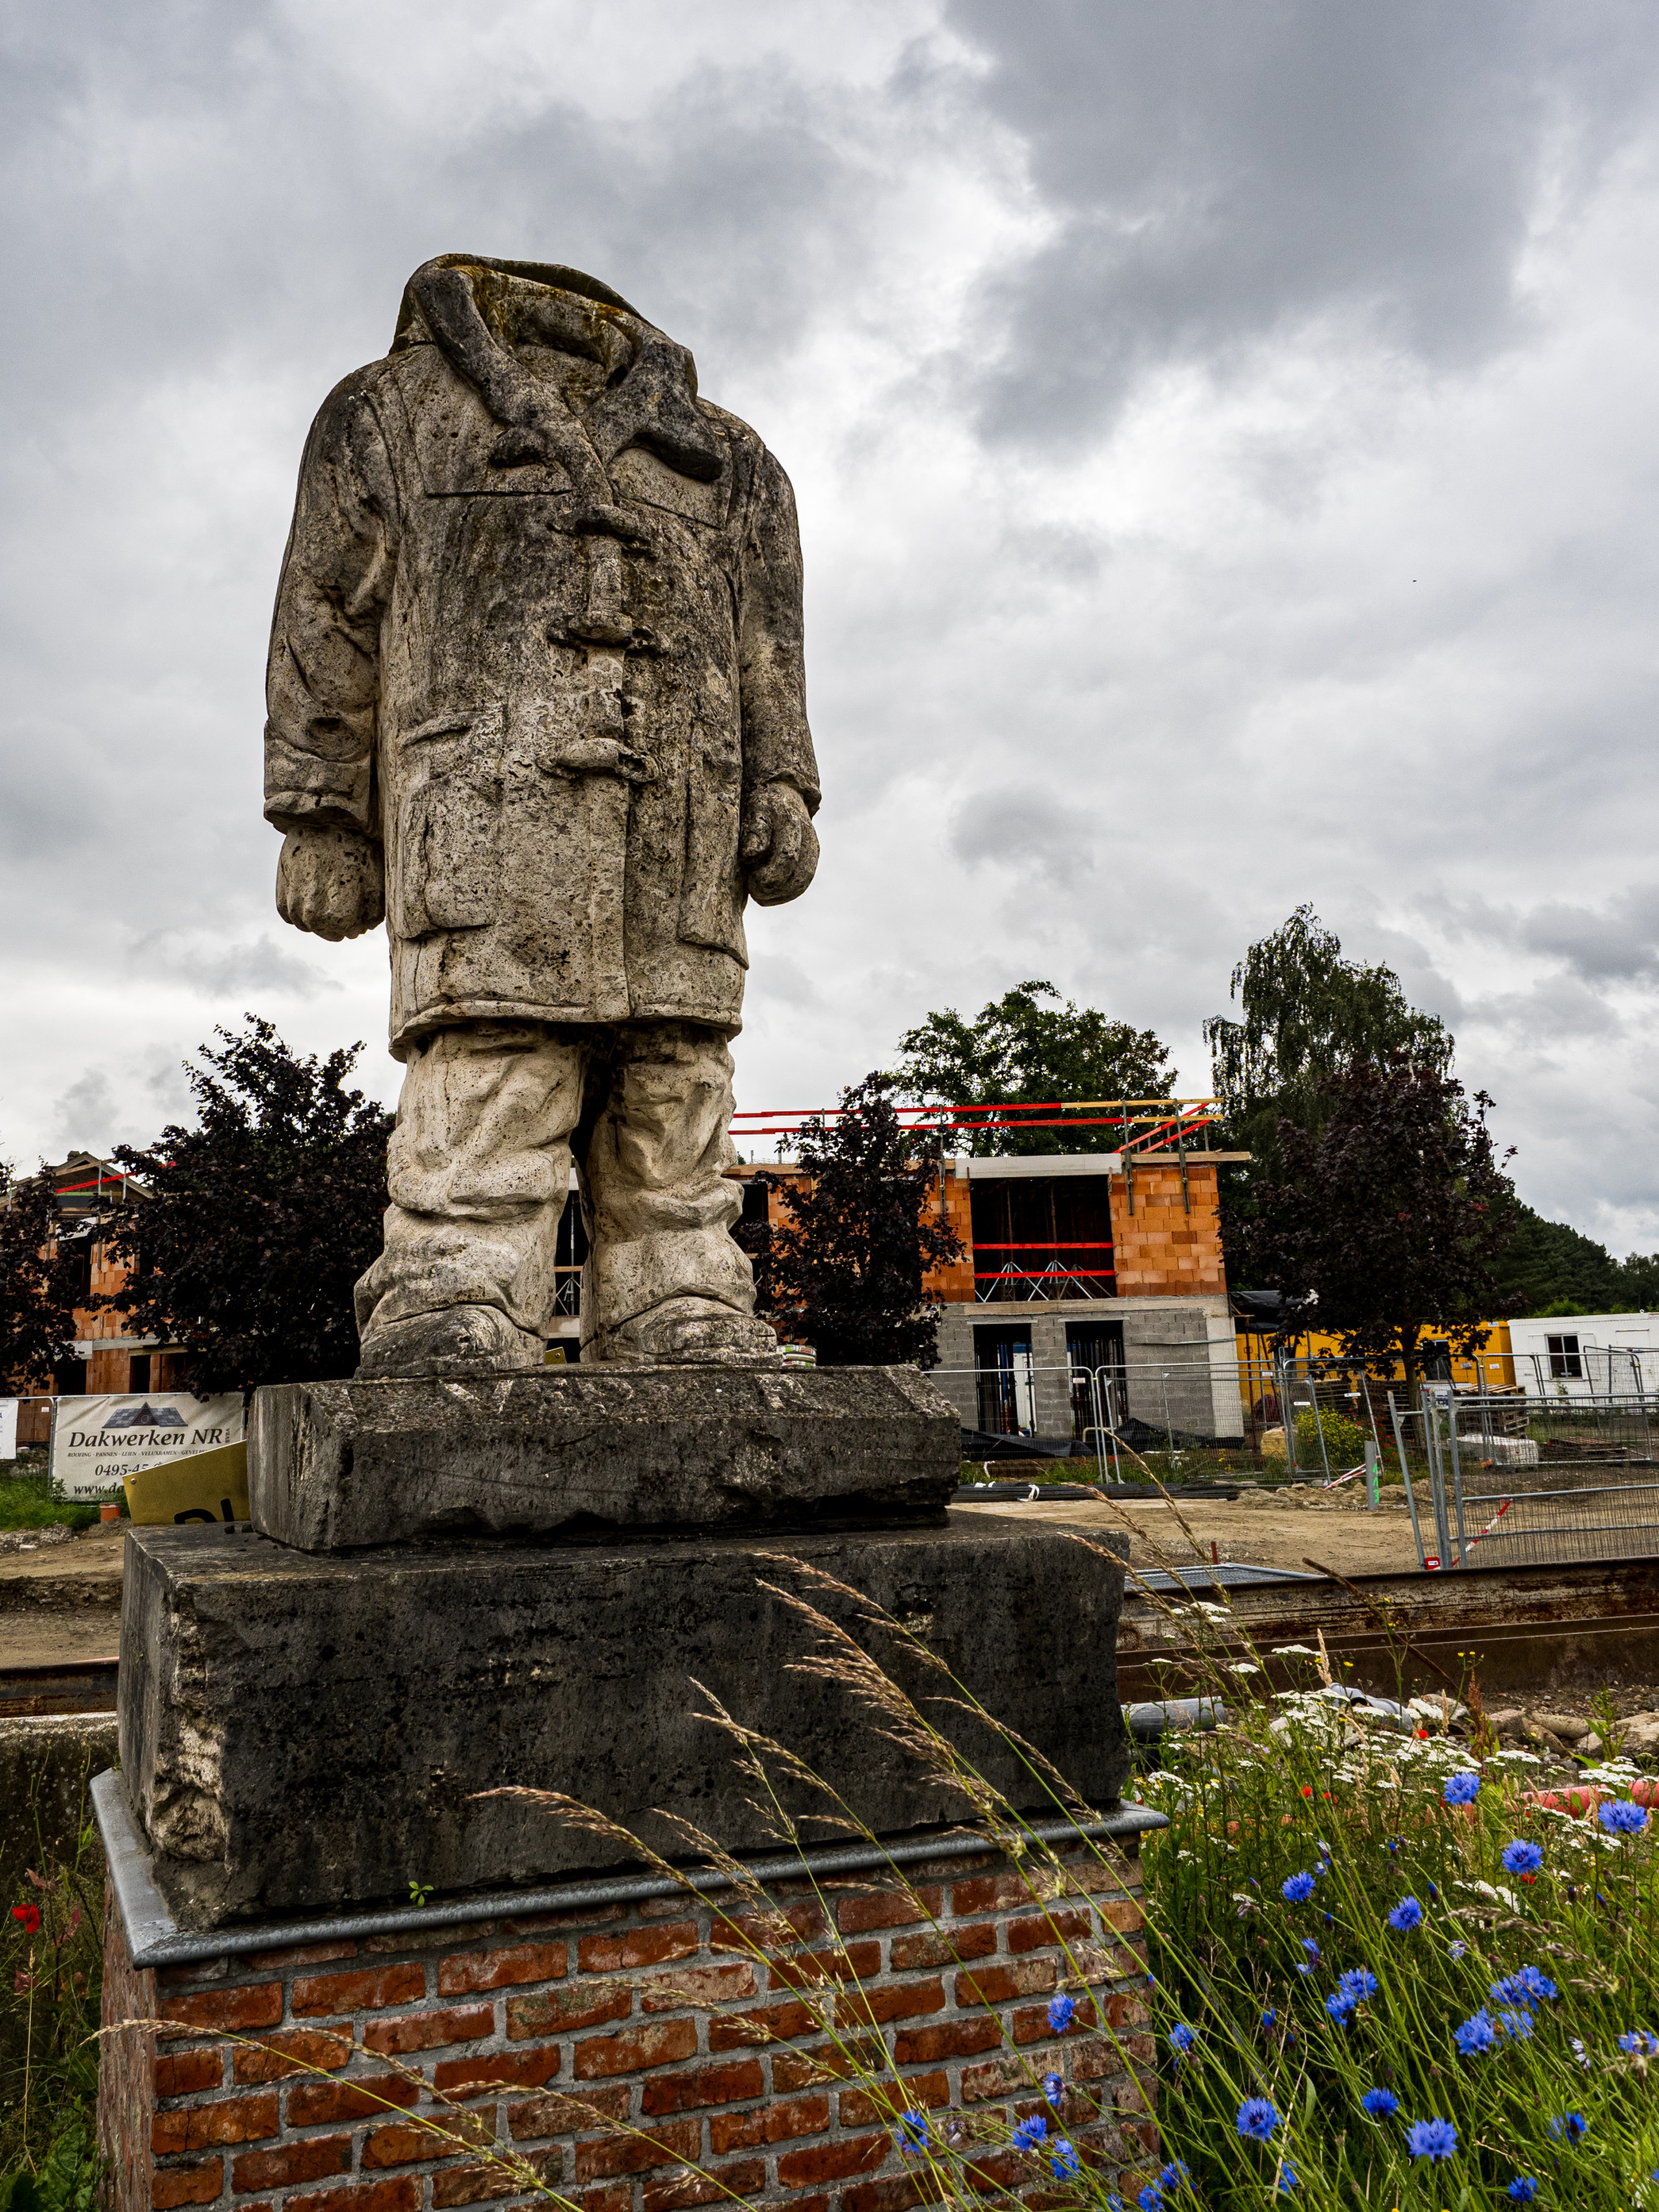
column 1259, row 1528
column 60, row 1600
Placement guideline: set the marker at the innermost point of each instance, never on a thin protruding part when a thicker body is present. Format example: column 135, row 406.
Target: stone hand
column 779, row 847
column 331, row 882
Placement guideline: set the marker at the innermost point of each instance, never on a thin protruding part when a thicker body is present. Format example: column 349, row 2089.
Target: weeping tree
column 1307, row 1014
column 844, row 1264
column 1392, row 1216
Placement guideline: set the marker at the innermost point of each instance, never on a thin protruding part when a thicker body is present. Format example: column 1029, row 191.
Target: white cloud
column 1226, row 461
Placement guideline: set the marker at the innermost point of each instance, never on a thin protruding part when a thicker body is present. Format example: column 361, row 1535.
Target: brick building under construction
column 1101, row 1263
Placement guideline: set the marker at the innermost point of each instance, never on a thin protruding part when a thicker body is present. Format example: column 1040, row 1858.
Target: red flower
column 30, row 1916
column 1307, row 1789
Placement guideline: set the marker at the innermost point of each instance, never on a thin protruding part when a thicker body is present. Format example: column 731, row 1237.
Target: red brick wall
column 663, row 2018
column 1163, row 1249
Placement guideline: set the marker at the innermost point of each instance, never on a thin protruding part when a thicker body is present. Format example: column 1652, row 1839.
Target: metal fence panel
column 1518, row 1478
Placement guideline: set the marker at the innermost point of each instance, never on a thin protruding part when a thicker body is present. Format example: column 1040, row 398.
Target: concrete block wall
column 643, row 2056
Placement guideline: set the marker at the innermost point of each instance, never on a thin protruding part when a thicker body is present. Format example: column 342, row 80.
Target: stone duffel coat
column 549, row 708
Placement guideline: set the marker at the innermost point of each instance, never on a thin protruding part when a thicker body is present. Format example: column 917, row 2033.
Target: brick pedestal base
column 644, row 2055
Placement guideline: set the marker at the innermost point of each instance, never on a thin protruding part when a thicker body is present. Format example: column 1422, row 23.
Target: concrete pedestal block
column 305, row 1733
column 336, row 1465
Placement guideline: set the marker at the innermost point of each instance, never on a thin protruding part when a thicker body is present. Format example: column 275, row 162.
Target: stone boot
column 687, row 1333
column 467, row 1340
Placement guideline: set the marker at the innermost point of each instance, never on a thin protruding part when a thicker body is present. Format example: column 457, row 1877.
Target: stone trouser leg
column 663, row 1278
column 478, row 1172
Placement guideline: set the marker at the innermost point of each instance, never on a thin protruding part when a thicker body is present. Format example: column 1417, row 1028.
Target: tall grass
column 1385, row 1971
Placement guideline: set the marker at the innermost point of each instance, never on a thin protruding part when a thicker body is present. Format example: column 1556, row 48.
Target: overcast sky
column 1225, row 439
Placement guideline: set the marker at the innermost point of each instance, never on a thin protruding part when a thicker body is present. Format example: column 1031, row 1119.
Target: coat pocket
column 711, row 889
column 449, row 825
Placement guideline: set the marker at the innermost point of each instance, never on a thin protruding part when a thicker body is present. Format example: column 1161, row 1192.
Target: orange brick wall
column 1161, row 1249
column 955, row 1282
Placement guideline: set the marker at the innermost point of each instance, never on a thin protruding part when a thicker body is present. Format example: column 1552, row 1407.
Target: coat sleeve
column 777, row 744
column 322, row 682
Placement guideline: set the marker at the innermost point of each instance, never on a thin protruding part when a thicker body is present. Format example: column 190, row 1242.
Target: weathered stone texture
column 300, row 1732
column 349, row 1464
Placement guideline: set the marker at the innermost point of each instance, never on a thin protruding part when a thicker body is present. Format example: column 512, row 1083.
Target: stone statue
column 535, row 696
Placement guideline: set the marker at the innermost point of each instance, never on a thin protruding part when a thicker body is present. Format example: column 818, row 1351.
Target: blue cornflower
column 1515, row 2024
column 1522, row 1857
column 1269, row 2016
column 1286, row 2180
column 1524, row 1987
column 1062, row 2160
column 1257, row 2118
column 1296, row 1888
column 1406, row 1916
column 1380, row 2104
column 1571, row 2126
column 1176, row 2175
column 1395, row 1842
column 1476, row 2034
column 1340, row 2004
column 1310, row 1946
column 1151, row 2198
column 1462, row 1789
column 1030, row 2133
column 1434, row 1890
column 913, row 2134
column 1432, row 2139
column 1053, row 2089
column 1639, row 2043
column 1182, row 2037
column 1455, row 1950
column 1358, row 1984
column 1622, row 1819
column 1522, row 2189
column 1303, row 1968
column 1061, row 2012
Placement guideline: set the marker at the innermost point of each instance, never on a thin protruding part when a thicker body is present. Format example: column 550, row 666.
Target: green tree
column 256, row 1225
column 1019, row 1052
column 37, row 1317
column 1392, row 1215
column 1308, row 1014
column 1637, row 1282
column 845, row 1262
column 1547, row 1263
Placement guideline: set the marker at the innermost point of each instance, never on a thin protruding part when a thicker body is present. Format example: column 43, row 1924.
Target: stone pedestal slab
column 303, row 1733
column 336, row 1465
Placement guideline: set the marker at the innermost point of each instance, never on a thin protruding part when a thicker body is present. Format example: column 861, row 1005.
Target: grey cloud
column 1219, row 171
column 1602, row 946
column 222, row 971
column 1024, row 828
column 1619, row 942
column 85, row 1111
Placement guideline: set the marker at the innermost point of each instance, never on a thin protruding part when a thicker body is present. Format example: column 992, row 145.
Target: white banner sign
column 8, row 1428
column 97, row 1441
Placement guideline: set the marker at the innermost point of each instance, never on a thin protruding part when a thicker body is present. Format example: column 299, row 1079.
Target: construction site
column 1106, row 1377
